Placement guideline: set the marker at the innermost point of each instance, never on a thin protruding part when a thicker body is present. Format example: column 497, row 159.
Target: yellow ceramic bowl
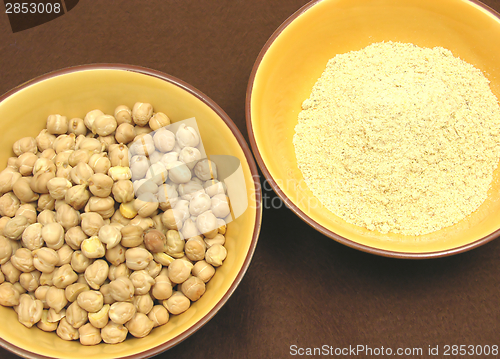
column 75, row 91
column 296, row 55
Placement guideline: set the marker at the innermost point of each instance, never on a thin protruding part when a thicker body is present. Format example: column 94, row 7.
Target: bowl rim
column 251, row 163
column 299, row 212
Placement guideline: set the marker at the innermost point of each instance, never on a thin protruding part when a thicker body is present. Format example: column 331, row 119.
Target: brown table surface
column 302, row 288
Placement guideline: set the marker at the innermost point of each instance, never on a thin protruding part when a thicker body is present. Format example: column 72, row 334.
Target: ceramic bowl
column 75, row 91
column 294, row 58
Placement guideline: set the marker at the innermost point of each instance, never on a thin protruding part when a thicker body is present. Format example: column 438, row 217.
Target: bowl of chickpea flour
column 129, row 214
column 378, row 123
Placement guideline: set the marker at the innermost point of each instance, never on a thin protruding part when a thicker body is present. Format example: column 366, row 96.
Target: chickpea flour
column 399, row 138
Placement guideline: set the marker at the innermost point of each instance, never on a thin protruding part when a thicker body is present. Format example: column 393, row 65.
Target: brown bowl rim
column 251, row 163
column 293, row 207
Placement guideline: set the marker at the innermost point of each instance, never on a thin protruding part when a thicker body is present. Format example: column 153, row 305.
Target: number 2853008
column 32, row 8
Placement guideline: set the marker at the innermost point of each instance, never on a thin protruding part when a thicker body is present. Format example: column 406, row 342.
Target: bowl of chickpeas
column 128, row 212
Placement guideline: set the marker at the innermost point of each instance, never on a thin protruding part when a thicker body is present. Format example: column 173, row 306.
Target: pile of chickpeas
column 110, row 224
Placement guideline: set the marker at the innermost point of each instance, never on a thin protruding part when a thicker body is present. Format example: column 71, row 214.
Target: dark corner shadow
column 27, row 15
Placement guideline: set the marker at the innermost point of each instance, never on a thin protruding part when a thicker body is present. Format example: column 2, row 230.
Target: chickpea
column 74, row 237
column 7, row 179
column 195, row 248
column 97, row 273
column 153, row 268
column 9, row 296
column 81, row 173
column 215, row 255
column 22, row 260
column 26, row 162
column 142, row 130
column 203, row 270
column 53, row 235
column 123, row 114
column 145, row 223
column 78, row 156
column 120, row 173
column 64, row 171
column 193, row 288
column 30, row 281
column 138, row 258
column 119, row 155
column 174, row 244
column 77, row 126
column 90, row 117
column 27, row 210
column 73, row 290
column 142, row 113
column 179, row 270
column 101, row 318
column 89, row 335
column 38, row 183
column 56, row 299
column 44, row 140
column 29, row 311
column 121, row 312
column 48, row 154
column 123, row 191
column 64, row 143
column 164, row 140
column 139, row 165
column 62, row 158
column 47, row 278
column 100, row 163
column 110, row 236
column 91, row 223
column 64, row 276
column 104, row 125
column 45, row 259
column 172, row 219
column 159, row 315
column 65, row 254
column 158, row 120
column 9, row 204
column 144, row 186
column 23, row 191
column 189, row 190
column 125, row 133
column 155, row 241
column 143, row 303
column 116, row 255
column 120, row 270
column 190, row 156
column 43, row 164
column 55, row 317
column 207, row 224
column 199, row 204
column 41, row 294
column 132, row 235
column 140, row 325
column 127, row 210
column 163, row 258
column 90, row 300
column 100, row 185
column 25, row 144
column 44, row 324
column 189, row 229
column 46, row 216
column 77, row 196
column 142, row 145
column 142, row 282
column 93, row 248
column 57, row 124
column 113, row 333
column 67, row 216
column 80, row 262
column 187, row 136
column 66, row 332
column 177, row 303
column 178, row 172
column 76, row 316
column 103, row 206
column 122, row 289
column 117, row 218
column 15, row 227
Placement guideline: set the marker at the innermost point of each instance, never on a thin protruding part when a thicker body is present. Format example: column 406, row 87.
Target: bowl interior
column 75, row 93
column 297, row 57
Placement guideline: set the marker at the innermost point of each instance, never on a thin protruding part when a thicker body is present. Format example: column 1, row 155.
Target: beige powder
column 398, row 138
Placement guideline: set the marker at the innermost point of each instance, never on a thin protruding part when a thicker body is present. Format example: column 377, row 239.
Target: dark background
column 302, row 288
